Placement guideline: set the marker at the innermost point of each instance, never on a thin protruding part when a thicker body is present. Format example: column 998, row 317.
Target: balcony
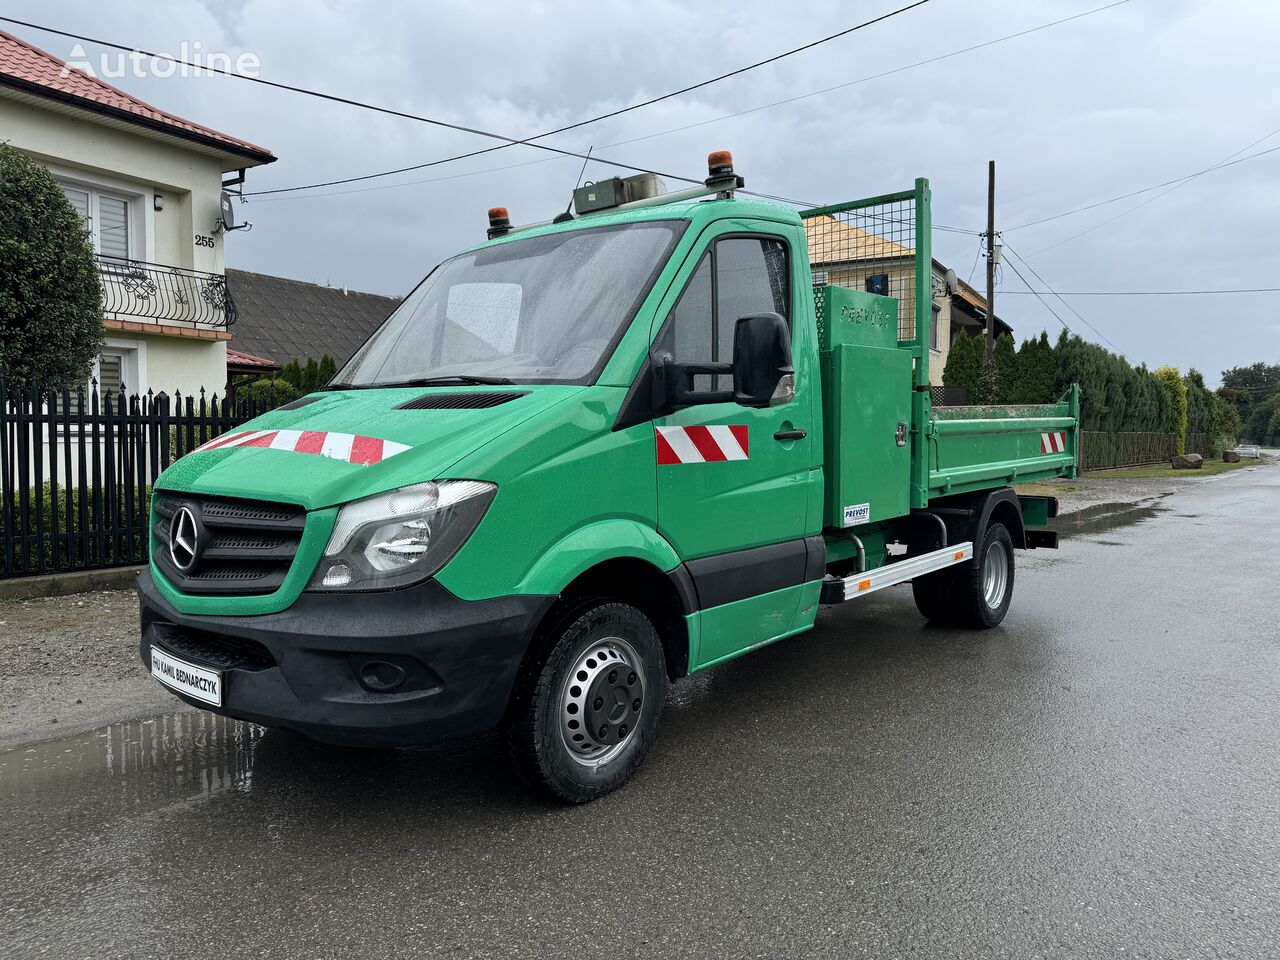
column 185, row 299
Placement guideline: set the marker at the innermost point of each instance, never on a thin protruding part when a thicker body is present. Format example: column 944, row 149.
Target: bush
column 1005, row 360
column 310, row 376
column 50, row 293
column 269, row 394
column 1262, row 423
column 1172, row 381
column 1035, row 371
column 964, row 367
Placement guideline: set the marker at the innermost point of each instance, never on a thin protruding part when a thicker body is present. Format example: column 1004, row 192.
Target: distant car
column 1249, row 450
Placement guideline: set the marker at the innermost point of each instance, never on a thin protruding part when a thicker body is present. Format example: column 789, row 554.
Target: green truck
column 584, row 459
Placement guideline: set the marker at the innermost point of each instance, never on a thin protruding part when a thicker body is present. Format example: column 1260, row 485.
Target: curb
column 62, row 584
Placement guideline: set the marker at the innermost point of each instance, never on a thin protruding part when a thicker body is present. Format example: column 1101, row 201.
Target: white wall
column 187, row 183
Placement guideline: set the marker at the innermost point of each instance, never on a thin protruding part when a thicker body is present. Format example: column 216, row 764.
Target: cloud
column 1091, row 109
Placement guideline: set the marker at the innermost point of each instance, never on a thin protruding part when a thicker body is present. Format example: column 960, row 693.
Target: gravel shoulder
column 69, row 664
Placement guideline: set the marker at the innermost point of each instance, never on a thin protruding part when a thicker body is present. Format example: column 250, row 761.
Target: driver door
column 734, row 481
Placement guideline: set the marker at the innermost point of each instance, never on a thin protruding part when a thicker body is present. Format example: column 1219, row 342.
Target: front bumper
column 402, row 668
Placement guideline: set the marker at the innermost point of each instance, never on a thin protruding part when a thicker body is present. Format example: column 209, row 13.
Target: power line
column 1149, row 200
column 700, row 123
column 1045, row 284
column 334, row 98
column 529, row 141
column 1044, row 303
column 1150, row 293
column 1137, row 193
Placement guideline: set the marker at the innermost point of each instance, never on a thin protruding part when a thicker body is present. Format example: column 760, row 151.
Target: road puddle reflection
column 1104, row 517
column 172, row 756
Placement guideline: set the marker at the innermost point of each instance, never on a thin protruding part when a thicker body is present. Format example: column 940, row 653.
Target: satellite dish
column 226, row 221
column 227, row 216
column 953, row 284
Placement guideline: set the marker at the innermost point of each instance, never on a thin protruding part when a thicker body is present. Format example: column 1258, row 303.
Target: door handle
column 789, row 435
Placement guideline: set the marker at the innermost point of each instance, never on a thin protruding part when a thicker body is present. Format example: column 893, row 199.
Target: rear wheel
column 974, row 594
column 586, row 708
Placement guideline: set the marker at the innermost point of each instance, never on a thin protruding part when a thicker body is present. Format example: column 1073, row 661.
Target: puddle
column 1104, row 517
column 174, row 756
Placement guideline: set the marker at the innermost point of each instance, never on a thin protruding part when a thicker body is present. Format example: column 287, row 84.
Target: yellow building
column 848, row 256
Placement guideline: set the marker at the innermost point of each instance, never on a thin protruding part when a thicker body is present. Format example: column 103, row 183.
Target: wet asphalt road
column 1099, row 777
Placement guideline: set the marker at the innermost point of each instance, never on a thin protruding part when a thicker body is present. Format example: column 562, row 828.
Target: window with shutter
column 110, row 375
column 108, row 216
column 113, row 227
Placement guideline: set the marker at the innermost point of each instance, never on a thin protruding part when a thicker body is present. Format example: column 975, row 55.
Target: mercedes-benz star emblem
column 184, row 540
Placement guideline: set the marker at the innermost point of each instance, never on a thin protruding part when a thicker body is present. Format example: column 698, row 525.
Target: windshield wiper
column 449, row 378
column 459, row 378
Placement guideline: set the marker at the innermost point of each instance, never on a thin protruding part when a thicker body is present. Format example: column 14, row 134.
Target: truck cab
column 580, row 461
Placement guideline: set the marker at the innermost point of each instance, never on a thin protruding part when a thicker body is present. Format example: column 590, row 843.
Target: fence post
column 24, row 481
column 6, row 477
column 37, row 464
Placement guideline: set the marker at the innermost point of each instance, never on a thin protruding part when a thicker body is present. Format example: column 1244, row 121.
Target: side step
column 837, row 590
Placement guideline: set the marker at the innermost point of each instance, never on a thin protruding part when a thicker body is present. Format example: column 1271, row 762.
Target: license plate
column 200, row 683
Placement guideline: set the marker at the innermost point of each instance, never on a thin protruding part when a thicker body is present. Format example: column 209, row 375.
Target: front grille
column 245, row 546
column 459, row 401
column 212, row 649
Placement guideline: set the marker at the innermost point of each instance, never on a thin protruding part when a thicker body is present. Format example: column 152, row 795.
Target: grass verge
column 1162, row 470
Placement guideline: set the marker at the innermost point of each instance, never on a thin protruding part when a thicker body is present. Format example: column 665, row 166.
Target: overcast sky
column 1101, row 106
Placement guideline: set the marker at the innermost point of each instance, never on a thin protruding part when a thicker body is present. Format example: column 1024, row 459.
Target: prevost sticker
column 857, row 513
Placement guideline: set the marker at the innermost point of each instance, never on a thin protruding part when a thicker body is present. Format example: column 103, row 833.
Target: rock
column 1188, row 461
column 1230, row 456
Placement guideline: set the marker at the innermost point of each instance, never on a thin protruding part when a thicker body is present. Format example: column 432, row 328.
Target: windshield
column 546, row 309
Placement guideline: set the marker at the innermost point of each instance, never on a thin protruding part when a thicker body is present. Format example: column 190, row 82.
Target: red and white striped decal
column 350, row 447
column 701, row 444
column 1053, row 442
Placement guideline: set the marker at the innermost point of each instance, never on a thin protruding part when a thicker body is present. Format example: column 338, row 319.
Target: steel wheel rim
column 995, row 575
column 589, row 699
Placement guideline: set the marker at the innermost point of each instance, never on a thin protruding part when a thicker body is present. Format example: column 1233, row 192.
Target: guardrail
column 153, row 291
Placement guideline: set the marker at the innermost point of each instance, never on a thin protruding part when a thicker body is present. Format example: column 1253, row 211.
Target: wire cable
column 507, row 141
column 1183, row 182
column 1137, row 193
column 700, row 123
column 1046, row 285
column 1151, row 293
column 1044, row 303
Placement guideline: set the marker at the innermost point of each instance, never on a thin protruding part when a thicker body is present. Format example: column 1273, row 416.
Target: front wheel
column 586, row 707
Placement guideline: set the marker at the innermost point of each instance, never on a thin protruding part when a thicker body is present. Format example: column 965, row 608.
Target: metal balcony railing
column 153, row 291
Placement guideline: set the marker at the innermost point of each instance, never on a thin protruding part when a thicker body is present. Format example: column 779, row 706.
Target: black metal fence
column 1106, row 451
column 76, row 470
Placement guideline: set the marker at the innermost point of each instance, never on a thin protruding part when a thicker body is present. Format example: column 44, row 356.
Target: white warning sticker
column 857, row 513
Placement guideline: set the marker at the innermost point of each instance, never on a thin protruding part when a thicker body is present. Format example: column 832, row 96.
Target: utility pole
column 991, row 260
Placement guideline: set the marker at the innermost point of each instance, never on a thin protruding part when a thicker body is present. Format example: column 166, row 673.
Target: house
column 851, row 257
column 149, row 185
column 279, row 320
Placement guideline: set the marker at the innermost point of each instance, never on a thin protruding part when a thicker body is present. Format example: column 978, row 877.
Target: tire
column 958, row 596
column 599, row 664
column 982, row 591
column 932, row 594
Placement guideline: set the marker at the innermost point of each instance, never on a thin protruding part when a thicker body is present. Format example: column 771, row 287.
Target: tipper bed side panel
column 978, row 448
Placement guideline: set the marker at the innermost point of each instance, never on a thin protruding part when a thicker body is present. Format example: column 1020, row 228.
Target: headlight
column 400, row 537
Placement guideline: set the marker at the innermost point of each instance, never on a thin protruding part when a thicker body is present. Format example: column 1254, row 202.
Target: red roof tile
column 238, row 358
column 29, row 68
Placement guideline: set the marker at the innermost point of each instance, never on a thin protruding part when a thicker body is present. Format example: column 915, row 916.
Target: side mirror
column 762, row 370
